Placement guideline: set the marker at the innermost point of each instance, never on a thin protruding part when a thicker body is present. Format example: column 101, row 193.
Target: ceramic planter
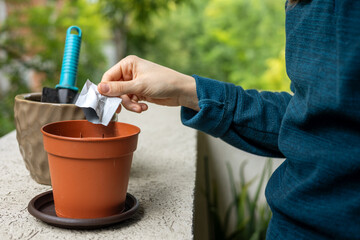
column 30, row 116
column 89, row 166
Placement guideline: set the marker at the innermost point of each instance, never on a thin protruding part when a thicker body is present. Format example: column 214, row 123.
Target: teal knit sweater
column 315, row 193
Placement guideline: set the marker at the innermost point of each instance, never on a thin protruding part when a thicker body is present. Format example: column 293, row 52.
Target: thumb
column 117, row 88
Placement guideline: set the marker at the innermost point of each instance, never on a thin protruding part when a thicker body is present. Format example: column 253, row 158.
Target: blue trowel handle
column 70, row 59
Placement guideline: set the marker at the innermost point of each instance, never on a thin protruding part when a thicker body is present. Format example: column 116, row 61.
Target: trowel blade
column 67, row 95
column 58, row 95
column 49, row 95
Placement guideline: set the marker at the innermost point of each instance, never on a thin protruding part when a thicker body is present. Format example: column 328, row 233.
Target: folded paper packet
column 98, row 109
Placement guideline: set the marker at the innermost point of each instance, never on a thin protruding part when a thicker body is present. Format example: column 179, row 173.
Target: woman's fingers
column 131, row 105
column 118, row 110
column 118, row 88
column 122, row 71
column 144, row 107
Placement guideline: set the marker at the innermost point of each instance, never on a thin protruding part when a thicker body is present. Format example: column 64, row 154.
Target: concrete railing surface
column 162, row 179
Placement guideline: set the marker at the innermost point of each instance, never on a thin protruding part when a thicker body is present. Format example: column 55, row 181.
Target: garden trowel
column 66, row 91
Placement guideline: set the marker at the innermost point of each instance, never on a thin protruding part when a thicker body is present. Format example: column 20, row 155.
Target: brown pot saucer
column 42, row 207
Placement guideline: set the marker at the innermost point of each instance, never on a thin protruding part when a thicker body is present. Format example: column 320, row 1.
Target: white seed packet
column 98, row 109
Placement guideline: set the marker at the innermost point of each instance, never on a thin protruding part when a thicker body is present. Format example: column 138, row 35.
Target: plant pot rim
column 23, row 98
column 89, row 139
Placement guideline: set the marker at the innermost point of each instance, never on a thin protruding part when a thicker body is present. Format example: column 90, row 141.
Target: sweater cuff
column 217, row 101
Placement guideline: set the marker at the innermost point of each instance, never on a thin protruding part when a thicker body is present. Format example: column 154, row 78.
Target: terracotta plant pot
column 89, row 166
column 30, row 116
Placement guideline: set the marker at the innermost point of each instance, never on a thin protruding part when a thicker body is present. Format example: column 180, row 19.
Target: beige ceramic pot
column 30, row 116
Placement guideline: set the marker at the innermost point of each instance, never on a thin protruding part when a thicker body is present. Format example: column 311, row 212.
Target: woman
column 315, row 193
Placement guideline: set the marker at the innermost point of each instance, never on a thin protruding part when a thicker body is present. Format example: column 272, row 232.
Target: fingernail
column 135, row 109
column 104, row 87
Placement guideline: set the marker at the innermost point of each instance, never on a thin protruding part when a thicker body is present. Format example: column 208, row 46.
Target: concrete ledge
column 162, row 179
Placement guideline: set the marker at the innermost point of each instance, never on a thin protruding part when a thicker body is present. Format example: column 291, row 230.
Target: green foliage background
column 237, row 41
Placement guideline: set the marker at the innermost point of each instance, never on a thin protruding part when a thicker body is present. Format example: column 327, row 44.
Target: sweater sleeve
column 247, row 119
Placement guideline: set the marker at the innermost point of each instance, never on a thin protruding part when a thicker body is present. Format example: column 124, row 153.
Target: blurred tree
column 132, row 18
column 237, row 41
column 33, row 38
column 12, row 66
column 275, row 77
column 48, row 26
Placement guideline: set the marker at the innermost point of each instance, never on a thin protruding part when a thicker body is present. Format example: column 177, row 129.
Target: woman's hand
column 135, row 79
